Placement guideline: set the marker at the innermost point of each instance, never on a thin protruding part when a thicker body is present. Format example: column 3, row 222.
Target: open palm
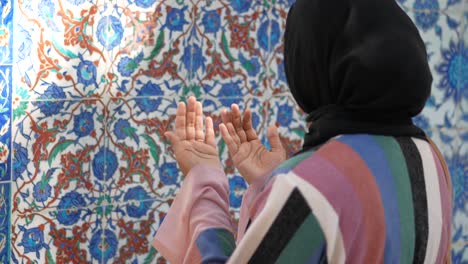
column 250, row 157
column 192, row 146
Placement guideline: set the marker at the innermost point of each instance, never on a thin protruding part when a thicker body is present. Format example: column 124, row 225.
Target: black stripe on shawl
column 418, row 189
column 288, row 221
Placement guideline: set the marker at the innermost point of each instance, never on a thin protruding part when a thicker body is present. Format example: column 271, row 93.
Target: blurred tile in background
column 289, row 118
column 150, row 43
column 5, row 121
column 442, row 34
column 5, row 222
column 6, row 31
column 61, row 43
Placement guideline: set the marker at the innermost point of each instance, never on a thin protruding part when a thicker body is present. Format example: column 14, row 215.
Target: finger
column 247, row 126
column 190, row 127
column 237, row 122
column 226, row 116
column 172, row 137
column 180, row 121
column 232, row 146
column 233, row 133
column 210, row 135
column 199, row 134
column 273, row 137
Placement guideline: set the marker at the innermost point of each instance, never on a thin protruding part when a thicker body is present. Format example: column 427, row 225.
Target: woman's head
column 361, row 56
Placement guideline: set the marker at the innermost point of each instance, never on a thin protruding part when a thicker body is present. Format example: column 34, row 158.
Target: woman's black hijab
column 356, row 66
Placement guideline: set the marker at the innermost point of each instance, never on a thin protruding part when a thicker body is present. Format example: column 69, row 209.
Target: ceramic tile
column 287, row 116
column 458, row 166
column 137, row 155
column 5, row 122
column 460, row 253
column 432, row 5
column 57, row 149
column 6, row 32
column 61, row 43
column 65, row 236
column 5, row 222
column 150, row 43
column 230, row 48
column 462, row 120
column 278, row 13
column 459, row 235
column 444, row 47
column 134, row 225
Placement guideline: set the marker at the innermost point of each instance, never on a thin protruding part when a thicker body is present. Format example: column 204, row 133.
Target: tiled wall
column 87, row 88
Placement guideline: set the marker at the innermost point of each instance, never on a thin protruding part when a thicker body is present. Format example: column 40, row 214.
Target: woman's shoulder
column 343, row 146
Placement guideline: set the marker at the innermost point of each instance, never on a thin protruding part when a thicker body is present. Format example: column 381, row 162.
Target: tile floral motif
column 6, row 31
column 289, row 118
column 62, row 44
column 57, row 149
column 74, row 235
column 430, row 5
column 136, row 151
column 150, row 42
column 462, row 121
column 459, row 253
column 132, row 227
column 229, row 46
column 5, row 124
column 5, row 214
column 445, row 47
column 278, row 13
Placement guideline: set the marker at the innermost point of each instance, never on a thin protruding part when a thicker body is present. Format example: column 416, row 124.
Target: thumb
column 273, row 137
column 171, row 137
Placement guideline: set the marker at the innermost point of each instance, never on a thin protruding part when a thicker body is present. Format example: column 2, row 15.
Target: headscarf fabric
column 356, row 66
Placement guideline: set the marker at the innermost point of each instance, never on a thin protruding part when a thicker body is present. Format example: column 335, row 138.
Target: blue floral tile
column 463, row 80
column 451, row 142
column 61, row 44
column 137, row 163
column 229, row 46
column 433, row 5
column 277, row 81
column 6, row 31
column 5, row 220
column 5, row 122
column 445, row 48
column 149, row 44
column 460, row 253
column 56, row 154
column 130, row 229
column 50, row 236
column 290, row 120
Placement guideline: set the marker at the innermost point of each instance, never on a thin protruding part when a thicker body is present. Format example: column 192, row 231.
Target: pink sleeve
column 249, row 199
column 202, row 203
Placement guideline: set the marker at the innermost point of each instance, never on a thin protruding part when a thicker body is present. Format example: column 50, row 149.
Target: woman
column 367, row 187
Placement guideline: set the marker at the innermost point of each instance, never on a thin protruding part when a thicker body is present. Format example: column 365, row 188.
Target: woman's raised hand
column 192, row 145
column 250, row 157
